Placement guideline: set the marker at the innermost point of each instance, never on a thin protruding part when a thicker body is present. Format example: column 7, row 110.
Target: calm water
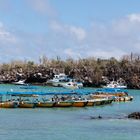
column 70, row 123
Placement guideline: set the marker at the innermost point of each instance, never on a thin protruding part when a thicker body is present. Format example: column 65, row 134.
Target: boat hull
column 103, row 102
column 46, row 104
column 90, row 103
column 8, row 105
column 79, row 103
column 123, row 99
column 97, row 103
column 26, row 105
column 63, row 104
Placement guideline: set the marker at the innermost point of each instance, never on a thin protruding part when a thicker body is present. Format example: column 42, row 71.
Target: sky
column 30, row 29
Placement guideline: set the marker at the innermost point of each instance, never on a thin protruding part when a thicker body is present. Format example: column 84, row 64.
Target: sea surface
column 69, row 123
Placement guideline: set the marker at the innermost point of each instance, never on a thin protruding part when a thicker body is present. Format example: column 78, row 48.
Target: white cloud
column 78, row 32
column 71, row 53
column 114, row 39
column 43, row 7
column 134, row 17
column 56, row 26
column 1, row 24
column 6, row 36
column 75, row 33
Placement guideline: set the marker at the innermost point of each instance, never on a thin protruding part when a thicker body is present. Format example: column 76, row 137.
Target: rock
column 108, row 117
column 134, row 115
column 99, row 117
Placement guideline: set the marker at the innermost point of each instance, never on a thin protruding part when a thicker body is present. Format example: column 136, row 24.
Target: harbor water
column 69, row 123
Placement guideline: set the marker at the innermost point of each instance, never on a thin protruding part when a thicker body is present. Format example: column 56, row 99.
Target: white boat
column 71, row 85
column 20, row 82
column 115, row 84
column 58, row 80
column 62, row 80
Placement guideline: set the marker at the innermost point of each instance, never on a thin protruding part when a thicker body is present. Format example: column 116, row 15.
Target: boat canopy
column 27, row 94
column 111, row 90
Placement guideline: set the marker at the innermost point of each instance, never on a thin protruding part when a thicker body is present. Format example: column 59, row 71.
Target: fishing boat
column 123, row 99
column 45, row 104
column 115, row 84
column 110, row 92
column 79, row 103
column 8, row 104
column 62, row 80
column 98, row 102
column 71, row 85
column 64, row 104
column 106, row 101
column 20, row 82
column 24, row 100
column 128, row 98
column 58, row 80
column 90, row 103
column 25, row 104
column 117, row 95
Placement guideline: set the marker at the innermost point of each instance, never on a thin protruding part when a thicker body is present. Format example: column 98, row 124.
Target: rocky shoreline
column 134, row 116
column 91, row 72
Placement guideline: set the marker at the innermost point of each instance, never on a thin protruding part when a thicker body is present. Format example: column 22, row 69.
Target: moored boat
column 79, row 103
column 20, row 82
column 106, row 101
column 117, row 95
column 24, row 100
column 97, row 102
column 123, row 99
column 128, row 98
column 116, row 84
column 62, row 80
column 8, row 104
column 70, row 85
column 63, row 104
column 90, row 103
column 45, row 104
column 26, row 105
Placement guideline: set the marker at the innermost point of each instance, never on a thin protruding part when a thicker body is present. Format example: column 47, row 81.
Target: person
column 62, row 98
column 52, row 99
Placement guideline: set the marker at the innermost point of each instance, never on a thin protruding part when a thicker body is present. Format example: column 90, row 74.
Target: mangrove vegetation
column 94, row 72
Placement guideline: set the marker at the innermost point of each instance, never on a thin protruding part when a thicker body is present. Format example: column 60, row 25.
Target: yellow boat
column 106, row 101
column 103, row 101
column 128, row 98
column 98, row 102
column 8, row 104
column 63, row 104
column 79, row 103
column 125, row 98
column 26, row 105
column 45, row 104
column 90, row 103
column 109, row 101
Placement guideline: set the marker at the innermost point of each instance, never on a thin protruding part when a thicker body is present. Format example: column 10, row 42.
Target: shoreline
column 91, row 72
column 44, row 84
